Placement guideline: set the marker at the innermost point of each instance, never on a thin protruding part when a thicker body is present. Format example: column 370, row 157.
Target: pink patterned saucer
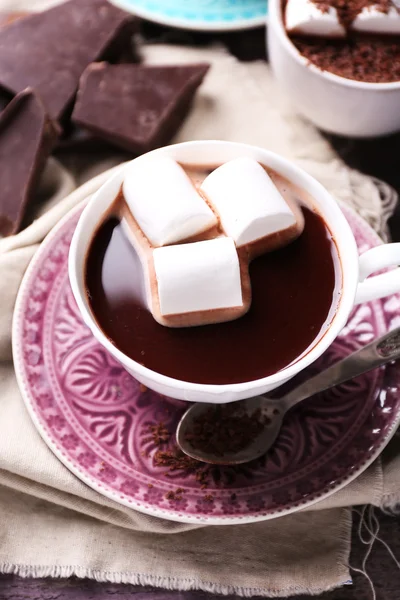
column 117, row 437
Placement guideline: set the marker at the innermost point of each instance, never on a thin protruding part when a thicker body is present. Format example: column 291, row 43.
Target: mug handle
column 385, row 284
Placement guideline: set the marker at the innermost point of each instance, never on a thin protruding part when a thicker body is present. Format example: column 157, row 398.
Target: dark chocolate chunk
column 27, row 136
column 136, row 107
column 77, row 139
column 49, row 51
column 9, row 17
column 5, row 19
column 5, row 98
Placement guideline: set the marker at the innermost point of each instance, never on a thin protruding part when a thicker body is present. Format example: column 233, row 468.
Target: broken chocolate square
column 5, row 98
column 27, row 136
column 49, row 51
column 77, row 139
column 136, row 107
column 9, row 17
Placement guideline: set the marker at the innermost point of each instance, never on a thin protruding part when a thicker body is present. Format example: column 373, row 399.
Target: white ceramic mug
column 335, row 104
column 354, row 270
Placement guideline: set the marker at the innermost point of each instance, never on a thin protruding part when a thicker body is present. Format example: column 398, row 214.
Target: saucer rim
column 112, row 495
column 158, row 17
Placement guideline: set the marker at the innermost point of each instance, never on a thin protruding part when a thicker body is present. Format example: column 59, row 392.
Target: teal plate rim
column 218, row 15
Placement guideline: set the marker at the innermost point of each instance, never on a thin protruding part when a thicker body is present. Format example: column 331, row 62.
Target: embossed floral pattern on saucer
column 98, row 420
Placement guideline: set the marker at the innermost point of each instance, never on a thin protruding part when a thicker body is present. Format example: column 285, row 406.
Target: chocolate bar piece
column 5, row 98
column 136, row 107
column 9, row 17
column 5, row 19
column 49, row 51
column 27, row 136
column 77, row 139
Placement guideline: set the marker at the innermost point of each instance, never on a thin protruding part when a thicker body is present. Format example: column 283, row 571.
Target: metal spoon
column 271, row 411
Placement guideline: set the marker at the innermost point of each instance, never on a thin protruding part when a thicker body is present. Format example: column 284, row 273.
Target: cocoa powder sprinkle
column 174, row 496
column 226, row 429
column 159, row 434
column 368, row 59
column 371, row 58
column 175, row 460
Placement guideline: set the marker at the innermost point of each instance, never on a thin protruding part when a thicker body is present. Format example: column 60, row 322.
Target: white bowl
column 335, row 104
column 214, row 152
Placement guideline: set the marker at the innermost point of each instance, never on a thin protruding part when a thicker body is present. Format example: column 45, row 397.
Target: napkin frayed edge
column 166, row 583
column 187, row 584
column 390, row 504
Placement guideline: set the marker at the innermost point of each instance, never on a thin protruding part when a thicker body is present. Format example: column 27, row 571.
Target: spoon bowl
column 266, row 412
column 237, row 433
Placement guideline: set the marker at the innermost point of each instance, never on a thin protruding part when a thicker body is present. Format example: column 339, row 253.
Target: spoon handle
column 381, row 351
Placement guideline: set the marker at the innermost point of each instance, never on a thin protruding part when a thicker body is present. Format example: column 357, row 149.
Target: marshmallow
column 164, row 201
column 303, row 16
column 248, row 203
column 372, row 20
column 200, row 276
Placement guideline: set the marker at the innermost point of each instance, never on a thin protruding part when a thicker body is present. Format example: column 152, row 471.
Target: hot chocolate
column 355, row 39
column 294, row 295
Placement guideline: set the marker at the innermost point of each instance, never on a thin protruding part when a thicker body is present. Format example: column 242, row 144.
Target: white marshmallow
column 164, row 201
column 199, row 276
column 372, row 20
column 303, row 16
column 248, row 203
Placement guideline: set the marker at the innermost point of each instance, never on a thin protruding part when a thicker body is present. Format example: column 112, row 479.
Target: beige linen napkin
column 52, row 524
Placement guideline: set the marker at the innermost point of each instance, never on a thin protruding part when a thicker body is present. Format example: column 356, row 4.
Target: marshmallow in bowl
column 198, row 277
column 248, row 203
column 304, row 17
column 373, row 20
column 164, row 201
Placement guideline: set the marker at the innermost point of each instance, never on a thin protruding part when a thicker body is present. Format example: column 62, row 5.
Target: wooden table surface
column 378, row 157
